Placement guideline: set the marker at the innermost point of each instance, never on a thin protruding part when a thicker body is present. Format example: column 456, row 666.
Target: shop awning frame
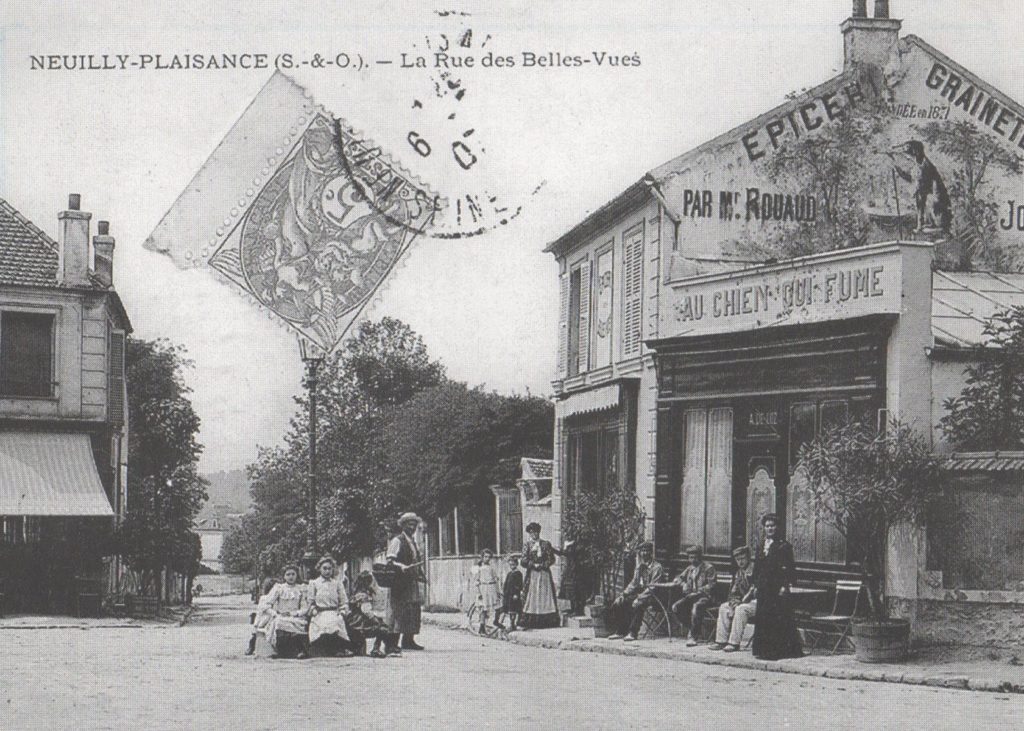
column 597, row 399
column 50, row 474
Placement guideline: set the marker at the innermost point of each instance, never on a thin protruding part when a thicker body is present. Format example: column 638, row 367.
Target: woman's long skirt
column 539, row 606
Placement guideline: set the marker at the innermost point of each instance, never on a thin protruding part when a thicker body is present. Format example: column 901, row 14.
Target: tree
column 165, row 491
column 240, row 552
column 975, row 154
column 380, row 367
column 864, row 482
column 448, row 444
column 989, row 412
column 603, row 528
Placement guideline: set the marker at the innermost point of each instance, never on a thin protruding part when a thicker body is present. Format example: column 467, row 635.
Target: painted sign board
column 815, row 289
column 918, row 150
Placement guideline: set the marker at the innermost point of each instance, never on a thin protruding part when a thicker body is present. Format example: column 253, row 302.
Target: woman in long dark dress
column 539, row 606
column 775, row 634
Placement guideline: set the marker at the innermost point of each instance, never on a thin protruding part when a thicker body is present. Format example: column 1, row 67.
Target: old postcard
column 493, row 364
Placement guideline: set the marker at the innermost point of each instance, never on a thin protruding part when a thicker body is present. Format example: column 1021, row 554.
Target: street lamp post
column 313, row 361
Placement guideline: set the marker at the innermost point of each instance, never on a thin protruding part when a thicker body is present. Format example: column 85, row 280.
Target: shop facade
column 768, row 309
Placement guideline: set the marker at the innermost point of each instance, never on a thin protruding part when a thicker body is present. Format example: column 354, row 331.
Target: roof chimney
column 869, row 40
column 73, row 256
column 103, row 248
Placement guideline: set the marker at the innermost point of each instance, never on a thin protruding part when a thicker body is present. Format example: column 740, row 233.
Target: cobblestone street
column 195, row 676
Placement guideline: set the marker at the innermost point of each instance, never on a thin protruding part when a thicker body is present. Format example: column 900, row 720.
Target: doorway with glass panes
column 739, row 460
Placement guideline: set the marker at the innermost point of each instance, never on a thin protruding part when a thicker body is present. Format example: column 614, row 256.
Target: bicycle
column 475, row 617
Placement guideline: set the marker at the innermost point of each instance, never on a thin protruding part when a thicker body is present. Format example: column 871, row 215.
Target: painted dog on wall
column 930, row 194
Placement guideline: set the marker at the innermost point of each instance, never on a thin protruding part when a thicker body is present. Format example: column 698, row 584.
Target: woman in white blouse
column 328, row 601
column 288, row 606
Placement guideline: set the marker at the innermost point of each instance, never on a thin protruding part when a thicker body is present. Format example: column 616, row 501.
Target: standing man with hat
column 406, row 598
column 735, row 614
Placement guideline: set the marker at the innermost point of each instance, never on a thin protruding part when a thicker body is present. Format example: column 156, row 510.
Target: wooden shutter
column 585, row 317
column 563, row 325
column 115, row 390
column 632, row 291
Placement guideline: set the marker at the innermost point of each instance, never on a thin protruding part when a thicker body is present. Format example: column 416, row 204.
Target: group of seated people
column 775, row 634
column 319, row 617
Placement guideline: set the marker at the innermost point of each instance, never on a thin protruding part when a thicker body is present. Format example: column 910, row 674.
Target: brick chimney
column 869, row 40
column 73, row 256
column 103, row 251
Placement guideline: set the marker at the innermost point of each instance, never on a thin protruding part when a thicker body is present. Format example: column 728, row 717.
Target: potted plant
column 865, row 482
column 603, row 529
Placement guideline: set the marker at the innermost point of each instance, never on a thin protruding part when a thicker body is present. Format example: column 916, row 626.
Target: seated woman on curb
column 328, row 606
column 288, row 606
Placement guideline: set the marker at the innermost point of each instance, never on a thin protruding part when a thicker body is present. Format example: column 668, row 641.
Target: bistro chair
column 657, row 620
column 838, row 622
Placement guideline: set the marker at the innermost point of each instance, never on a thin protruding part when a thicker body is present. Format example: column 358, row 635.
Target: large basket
column 385, row 574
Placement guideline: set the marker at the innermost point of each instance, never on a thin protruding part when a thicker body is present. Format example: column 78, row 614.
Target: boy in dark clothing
column 512, row 593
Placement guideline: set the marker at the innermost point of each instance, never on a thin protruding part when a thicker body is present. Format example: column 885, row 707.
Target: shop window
column 706, row 505
column 26, row 354
column 595, row 468
column 813, row 539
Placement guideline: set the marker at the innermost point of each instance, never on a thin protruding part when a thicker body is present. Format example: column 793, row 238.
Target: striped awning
column 49, row 474
column 585, row 402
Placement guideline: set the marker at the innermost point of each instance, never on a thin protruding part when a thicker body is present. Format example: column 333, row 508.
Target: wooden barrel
column 885, row 641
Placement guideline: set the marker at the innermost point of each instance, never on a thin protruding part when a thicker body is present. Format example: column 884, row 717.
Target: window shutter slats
column 584, row 317
column 632, row 285
column 563, row 325
column 115, row 393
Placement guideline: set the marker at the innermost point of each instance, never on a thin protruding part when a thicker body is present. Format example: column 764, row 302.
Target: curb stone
column 957, row 682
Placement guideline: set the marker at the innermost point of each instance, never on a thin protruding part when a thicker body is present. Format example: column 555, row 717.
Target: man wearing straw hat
column 405, row 597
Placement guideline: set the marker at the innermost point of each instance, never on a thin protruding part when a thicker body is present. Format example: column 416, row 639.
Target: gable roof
column 27, row 255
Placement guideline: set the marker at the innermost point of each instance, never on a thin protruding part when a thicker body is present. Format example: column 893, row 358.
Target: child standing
column 512, row 593
column 488, row 596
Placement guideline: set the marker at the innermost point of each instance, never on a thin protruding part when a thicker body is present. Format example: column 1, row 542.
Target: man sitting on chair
column 697, row 581
column 627, row 611
column 735, row 614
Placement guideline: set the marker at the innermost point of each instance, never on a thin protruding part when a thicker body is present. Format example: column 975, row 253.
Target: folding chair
column 657, row 621
column 838, row 622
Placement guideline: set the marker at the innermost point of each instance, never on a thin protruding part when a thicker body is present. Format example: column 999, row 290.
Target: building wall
column 624, row 362
column 947, row 381
column 82, row 326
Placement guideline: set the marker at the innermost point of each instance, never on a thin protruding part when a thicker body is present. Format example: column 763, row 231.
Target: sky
column 559, row 142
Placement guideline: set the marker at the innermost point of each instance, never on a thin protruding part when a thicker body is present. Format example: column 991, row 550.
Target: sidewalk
column 941, row 667
column 169, row 616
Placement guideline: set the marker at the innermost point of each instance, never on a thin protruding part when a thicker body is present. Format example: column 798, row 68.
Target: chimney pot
column 103, row 254
column 74, row 202
column 860, row 8
column 881, row 8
